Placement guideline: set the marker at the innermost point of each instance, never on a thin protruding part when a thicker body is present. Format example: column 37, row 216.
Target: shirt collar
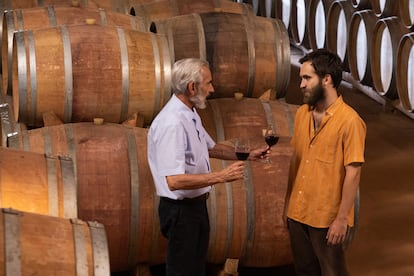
column 333, row 108
column 190, row 114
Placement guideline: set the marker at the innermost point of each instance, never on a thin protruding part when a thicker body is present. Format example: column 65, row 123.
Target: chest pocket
column 327, row 148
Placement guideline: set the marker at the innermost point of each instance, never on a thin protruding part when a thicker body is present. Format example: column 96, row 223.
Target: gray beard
column 198, row 103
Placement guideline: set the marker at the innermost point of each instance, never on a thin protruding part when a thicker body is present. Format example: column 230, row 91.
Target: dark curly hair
column 325, row 62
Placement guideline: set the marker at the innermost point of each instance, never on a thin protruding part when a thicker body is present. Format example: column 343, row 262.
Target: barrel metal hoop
column 70, row 192
column 157, row 63
column 52, row 184
column 80, row 247
column 212, row 212
column 269, row 115
column 12, row 243
column 52, row 16
column 282, row 48
column 102, row 14
column 230, row 216
column 100, row 250
column 167, row 65
column 125, row 74
column 10, row 31
column 218, row 120
column 22, row 74
column 67, row 50
column 19, row 18
column 201, row 36
column 70, row 177
column 70, row 140
column 251, row 211
column 33, row 77
column 47, row 141
column 135, row 181
column 252, row 55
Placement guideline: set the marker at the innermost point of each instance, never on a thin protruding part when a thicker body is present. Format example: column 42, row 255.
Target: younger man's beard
column 316, row 94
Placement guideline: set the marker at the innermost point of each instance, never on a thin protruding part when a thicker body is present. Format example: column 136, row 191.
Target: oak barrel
column 35, row 244
column 227, row 118
column 247, row 54
column 385, row 8
column 361, row 4
column 359, row 45
column 50, row 16
column 85, row 71
column 316, row 21
column 159, row 10
column 246, row 216
column 283, row 11
column 387, row 34
column 406, row 13
column 299, row 29
column 38, row 183
column 405, row 72
column 338, row 20
column 25, row 4
column 114, row 184
column 112, row 159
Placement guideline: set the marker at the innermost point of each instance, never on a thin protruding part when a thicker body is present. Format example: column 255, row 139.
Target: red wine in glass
column 242, row 155
column 242, row 149
column 271, row 140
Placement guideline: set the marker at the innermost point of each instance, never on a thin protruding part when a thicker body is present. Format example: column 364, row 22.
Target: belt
column 200, row 198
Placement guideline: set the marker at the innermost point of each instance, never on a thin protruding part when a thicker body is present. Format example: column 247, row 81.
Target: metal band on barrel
column 252, row 55
column 125, row 74
column 78, row 227
column 269, row 116
column 102, row 14
column 52, row 16
column 67, row 50
column 157, row 70
column 52, row 184
column 12, row 243
column 33, row 77
column 201, row 36
column 133, row 165
column 69, row 184
column 19, row 18
column 100, row 249
column 22, row 74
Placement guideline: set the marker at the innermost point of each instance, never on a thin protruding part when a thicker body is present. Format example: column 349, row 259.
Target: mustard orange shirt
column 319, row 162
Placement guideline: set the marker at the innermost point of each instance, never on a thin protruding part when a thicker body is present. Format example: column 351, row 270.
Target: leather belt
column 200, row 198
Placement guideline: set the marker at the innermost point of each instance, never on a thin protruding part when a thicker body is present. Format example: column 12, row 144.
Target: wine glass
column 271, row 139
column 242, row 149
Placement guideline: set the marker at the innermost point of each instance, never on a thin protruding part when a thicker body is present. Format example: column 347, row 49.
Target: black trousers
column 186, row 226
column 311, row 253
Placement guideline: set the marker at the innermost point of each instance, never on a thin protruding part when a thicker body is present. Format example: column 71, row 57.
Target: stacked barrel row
column 65, row 65
column 374, row 38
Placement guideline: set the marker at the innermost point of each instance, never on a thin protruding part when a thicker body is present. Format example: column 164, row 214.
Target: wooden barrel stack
column 373, row 38
column 67, row 63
